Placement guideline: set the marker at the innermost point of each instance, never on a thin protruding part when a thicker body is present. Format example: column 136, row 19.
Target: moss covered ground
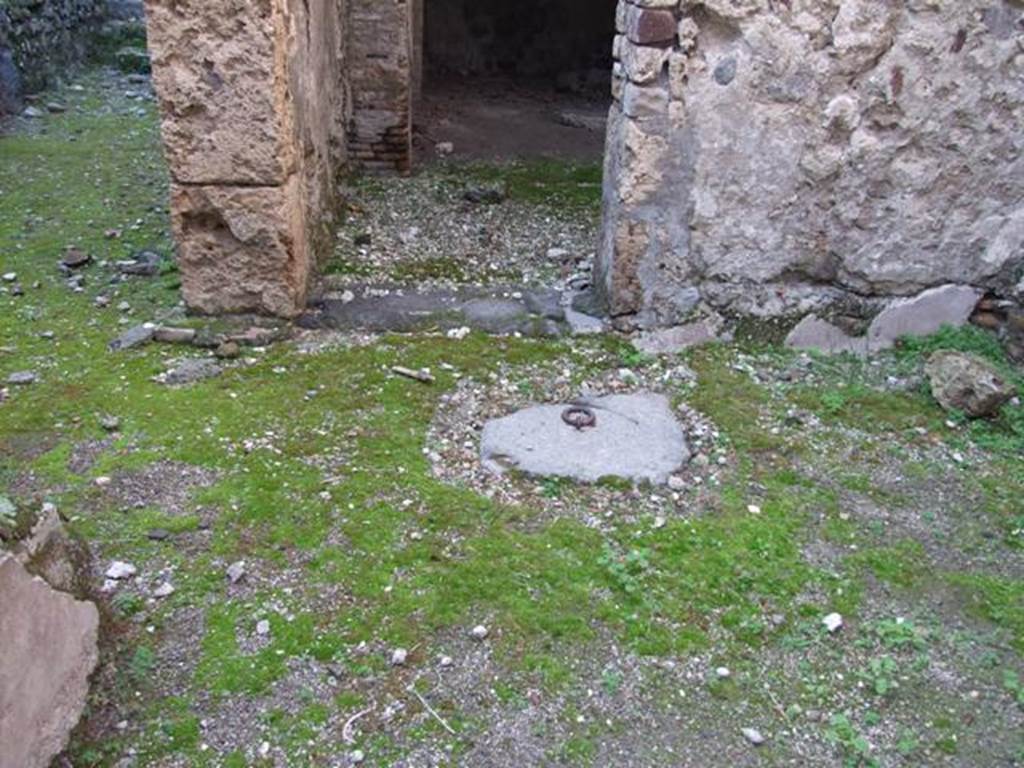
column 841, row 492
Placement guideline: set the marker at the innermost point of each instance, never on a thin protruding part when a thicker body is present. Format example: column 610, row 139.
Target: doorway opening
column 499, row 80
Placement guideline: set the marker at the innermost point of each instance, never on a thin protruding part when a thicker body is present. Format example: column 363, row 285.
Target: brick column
column 380, row 59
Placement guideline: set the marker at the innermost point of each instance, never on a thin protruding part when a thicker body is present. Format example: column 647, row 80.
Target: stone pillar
column 642, row 270
column 380, row 57
column 247, row 137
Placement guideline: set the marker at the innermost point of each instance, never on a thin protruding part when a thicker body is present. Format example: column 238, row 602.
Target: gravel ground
column 422, row 230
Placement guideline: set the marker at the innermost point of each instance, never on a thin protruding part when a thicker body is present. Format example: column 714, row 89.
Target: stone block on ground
column 923, row 315
column 967, row 383
column 49, row 651
column 813, row 333
column 670, row 341
column 635, row 437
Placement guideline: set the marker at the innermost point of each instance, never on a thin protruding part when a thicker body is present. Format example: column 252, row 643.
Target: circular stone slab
column 637, row 437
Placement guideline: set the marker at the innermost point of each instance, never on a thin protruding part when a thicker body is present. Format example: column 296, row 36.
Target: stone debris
column 22, row 378
column 479, row 632
column 189, row 370
column 120, row 571
column 164, row 590
column 671, row 341
column 74, row 258
column 143, row 264
column 813, row 333
column 10, row 277
column 228, row 350
column 110, row 423
column 635, row 437
column 923, row 315
column 485, row 194
column 399, row 657
column 920, row 315
column 833, row 623
column 133, row 337
column 967, row 383
column 754, row 736
column 45, row 684
column 236, row 572
column 168, row 335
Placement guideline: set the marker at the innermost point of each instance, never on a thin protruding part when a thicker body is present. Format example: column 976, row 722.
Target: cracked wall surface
column 776, row 157
column 253, row 102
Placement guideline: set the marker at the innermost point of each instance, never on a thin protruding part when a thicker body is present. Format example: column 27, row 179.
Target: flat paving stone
column 500, row 311
column 636, row 437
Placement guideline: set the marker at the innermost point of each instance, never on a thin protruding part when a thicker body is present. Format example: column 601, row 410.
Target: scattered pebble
column 119, row 571
column 754, row 736
column 22, row 378
column 263, row 627
column 236, row 572
column 164, row 590
column 110, row 423
column 833, row 622
column 399, row 657
column 479, row 632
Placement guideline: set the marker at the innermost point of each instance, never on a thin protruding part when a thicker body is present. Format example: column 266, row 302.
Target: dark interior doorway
column 515, row 79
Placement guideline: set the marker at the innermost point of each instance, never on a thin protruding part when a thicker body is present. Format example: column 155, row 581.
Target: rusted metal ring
column 579, row 418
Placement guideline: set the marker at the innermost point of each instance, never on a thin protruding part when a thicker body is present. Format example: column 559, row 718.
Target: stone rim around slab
column 637, row 438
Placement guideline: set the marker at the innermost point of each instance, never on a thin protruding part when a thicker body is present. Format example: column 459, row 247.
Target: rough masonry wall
column 253, row 105
column 776, row 157
column 38, row 38
column 380, row 57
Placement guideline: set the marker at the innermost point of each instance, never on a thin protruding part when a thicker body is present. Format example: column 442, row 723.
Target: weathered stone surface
column 855, row 149
column 670, row 341
column 254, row 108
column 923, row 314
column 190, row 370
column 967, row 383
column 242, row 248
column 220, row 71
column 813, row 333
column 49, row 650
column 636, row 437
column 133, row 337
column 498, row 311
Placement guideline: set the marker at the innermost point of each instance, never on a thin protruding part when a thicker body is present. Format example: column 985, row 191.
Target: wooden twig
column 422, row 376
column 431, row 710
column 346, row 731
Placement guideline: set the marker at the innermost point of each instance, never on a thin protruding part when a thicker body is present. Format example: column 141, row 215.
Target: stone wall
column 380, row 73
column 254, row 104
column 781, row 157
column 40, row 37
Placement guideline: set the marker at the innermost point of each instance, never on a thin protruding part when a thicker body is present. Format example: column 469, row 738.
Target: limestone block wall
column 380, row 72
column 253, row 104
column 773, row 157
